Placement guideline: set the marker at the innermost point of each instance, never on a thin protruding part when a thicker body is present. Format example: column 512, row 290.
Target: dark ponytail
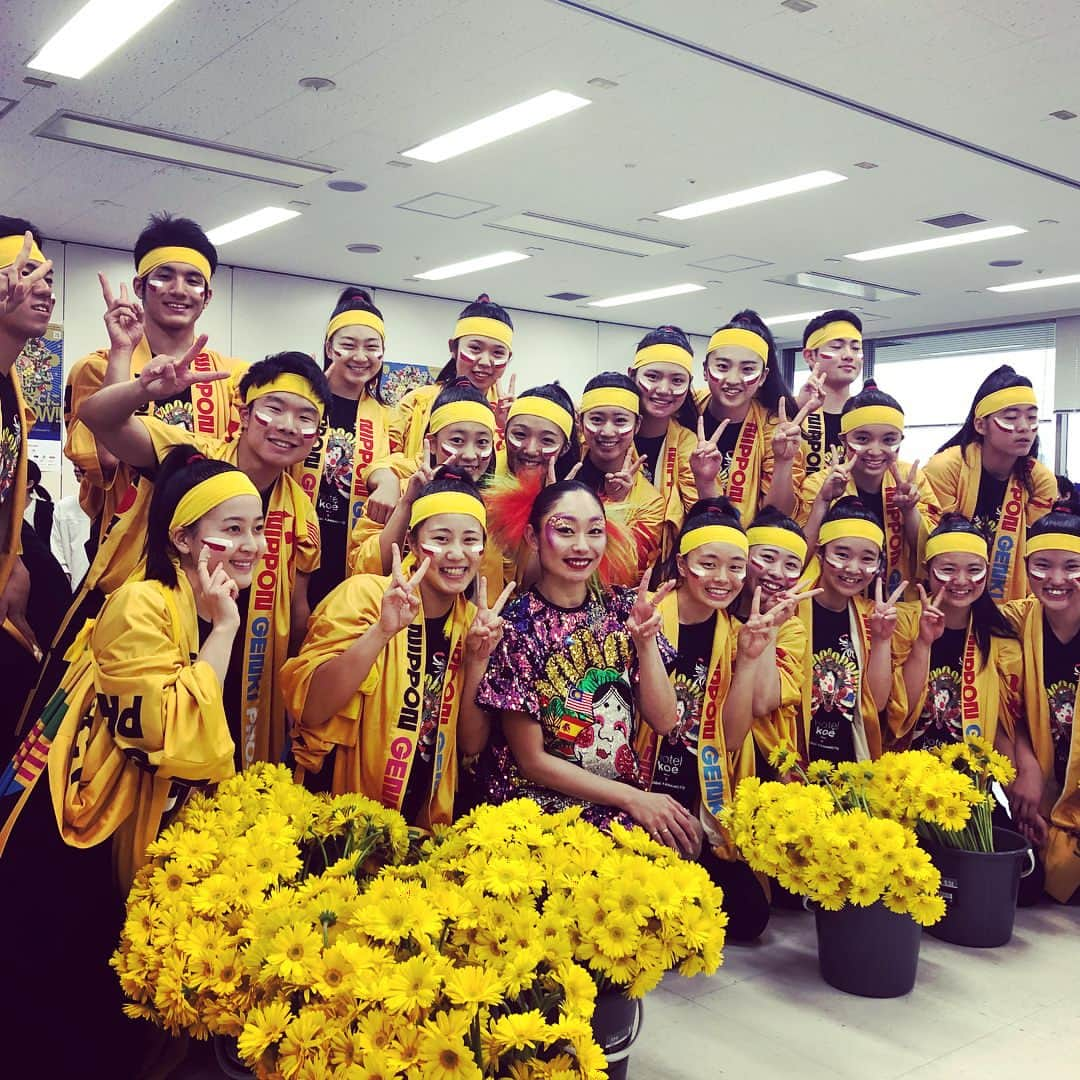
column 43, row 503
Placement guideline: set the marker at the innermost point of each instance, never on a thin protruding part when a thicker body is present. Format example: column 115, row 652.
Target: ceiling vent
column 581, row 234
column 567, row 295
column 953, row 221
column 730, row 264
column 849, row 288
column 6, row 105
column 439, row 204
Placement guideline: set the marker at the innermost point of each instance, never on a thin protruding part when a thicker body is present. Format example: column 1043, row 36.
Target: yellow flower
column 446, row 1058
column 294, row 953
column 264, row 1027
column 473, row 985
column 378, row 1065
column 412, row 985
column 519, row 1031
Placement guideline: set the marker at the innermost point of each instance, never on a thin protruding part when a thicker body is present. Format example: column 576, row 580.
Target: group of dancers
column 624, row 602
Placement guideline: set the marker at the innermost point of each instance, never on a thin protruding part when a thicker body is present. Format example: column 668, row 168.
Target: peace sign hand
column 123, row 317
column 839, row 474
column 906, row 493
column 425, row 471
column 706, row 460
column 758, row 632
column 486, row 630
column 883, row 618
column 166, row 377
column 15, row 286
column 401, row 601
column 787, row 604
column 504, row 401
column 812, row 394
column 219, row 593
column 644, row 620
column 618, row 485
column 931, row 618
column 787, row 435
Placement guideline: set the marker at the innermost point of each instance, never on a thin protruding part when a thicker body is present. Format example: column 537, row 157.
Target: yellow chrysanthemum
column 294, row 954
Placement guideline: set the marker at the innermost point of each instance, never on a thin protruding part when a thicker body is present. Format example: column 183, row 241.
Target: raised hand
column 906, row 494
column 882, row 619
column 14, row 286
column 618, row 485
column 401, row 601
column 166, row 377
column 758, row 632
column 706, row 460
column 123, row 317
column 219, row 593
column 787, row 435
column 486, row 630
column 425, row 471
column 812, row 394
column 839, row 474
column 931, row 618
column 787, row 604
column 644, row 620
column 504, row 401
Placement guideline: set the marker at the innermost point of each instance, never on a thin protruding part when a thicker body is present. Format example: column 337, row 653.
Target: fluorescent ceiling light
column 791, row 186
column 250, row 223
column 498, row 125
column 955, row 240
column 850, row 288
column 802, row 317
column 648, row 294
column 482, row 262
column 531, row 223
column 1038, row 283
column 159, row 145
column 93, row 33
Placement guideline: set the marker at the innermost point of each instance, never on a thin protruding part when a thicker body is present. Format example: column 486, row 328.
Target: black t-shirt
column 10, row 438
column 649, row 448
column 591, row 476
column 988, row 504
column 418, row 788
column 941, row 721
column 676, row 772
column 1061, row 670
column 834, row 692
column 872, row 501
column 833, row 439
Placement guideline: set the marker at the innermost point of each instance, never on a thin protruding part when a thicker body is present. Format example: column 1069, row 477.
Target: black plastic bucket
column 616, row 1023
column 869, row 951
column 979, row 889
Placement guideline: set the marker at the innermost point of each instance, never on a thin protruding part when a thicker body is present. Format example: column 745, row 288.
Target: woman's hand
column 758, row 632
column 787, row 435
column 166, row 377
column 486, row 630
column 504, row 401
column 644, row 620
column 1025, row 797
column 123, row 318
column 905, row 495
column 618, row 485
column 787, row 604
column 836, row 479
column 401, row 601
column 706, row 460
column 931, row 618
column 665, row 820
column 882, row 619
column 219, row 593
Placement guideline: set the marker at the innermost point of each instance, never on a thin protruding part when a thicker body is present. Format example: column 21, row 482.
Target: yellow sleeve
column 928, row 504
column 768, row 463
column 804, row 501
column 167, row 436
column 1046, row 493
column 1009, row 660
column 342, row 617
column 643, row 514
column 942, row 473
column 84, row 380
column 365, row 555
column 779, row 727
column 687, row 483
column 900, row 713
column 162, row 709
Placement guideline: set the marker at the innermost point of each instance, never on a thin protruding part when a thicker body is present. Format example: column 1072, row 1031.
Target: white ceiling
column 679, row 126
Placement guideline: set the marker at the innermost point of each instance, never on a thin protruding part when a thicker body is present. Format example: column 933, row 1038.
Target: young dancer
column 989, row 472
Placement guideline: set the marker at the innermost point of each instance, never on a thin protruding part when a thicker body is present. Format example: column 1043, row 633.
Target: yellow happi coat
column 989, row 692
column 11, row 542
column 674, row 480
column 215, row 405
column 1061, row 806
column 160, row 718
column 955, row 474
column 903, row 562
column 376, row 732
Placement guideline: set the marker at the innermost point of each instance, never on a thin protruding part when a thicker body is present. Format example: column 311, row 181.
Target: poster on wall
column 41, row 372
column 399, row 379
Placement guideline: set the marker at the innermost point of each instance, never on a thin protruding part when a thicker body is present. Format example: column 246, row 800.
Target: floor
column 975, row 1014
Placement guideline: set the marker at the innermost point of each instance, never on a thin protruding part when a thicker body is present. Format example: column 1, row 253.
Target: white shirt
column 70, row 531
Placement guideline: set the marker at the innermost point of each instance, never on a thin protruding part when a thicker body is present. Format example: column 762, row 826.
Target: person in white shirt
column 70, row 532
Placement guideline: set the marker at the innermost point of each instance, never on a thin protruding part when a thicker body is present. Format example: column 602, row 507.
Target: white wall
column 253, row 313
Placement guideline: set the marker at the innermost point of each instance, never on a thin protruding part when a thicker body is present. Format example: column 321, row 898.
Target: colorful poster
column 399, row 379
column 41, row 371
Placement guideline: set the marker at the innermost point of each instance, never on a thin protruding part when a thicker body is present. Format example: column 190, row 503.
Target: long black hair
column 1001, row 378
column 182, row 469
column 773, row 387
column 484, row 308
column 353, row 298
column 555, row 393
column 674, row 335
column 986, row 618
column 716, row 511
column 43, row 503
column 1064, row 517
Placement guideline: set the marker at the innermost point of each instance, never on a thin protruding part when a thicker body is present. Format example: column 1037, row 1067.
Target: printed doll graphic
column 338, row 463
column 835, row 681
column 940, row 721
column 176, row 413
column 596, row 725
column 9, row 458
column 689, row 695
column 1062, row 699
column 433, row 687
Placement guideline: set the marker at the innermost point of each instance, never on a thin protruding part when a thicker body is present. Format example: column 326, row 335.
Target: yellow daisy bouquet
column 624, row 907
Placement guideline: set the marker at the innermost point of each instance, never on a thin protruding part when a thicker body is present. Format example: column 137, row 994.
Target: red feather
column 509, row 503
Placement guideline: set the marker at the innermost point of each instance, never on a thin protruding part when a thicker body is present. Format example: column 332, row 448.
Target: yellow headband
column 458, row 412
column 207, row 494
column 447, row 502
column 772, row 536
column 546, row 410
column 356, row 318
column 286, row 383
column 844, row 528
column 713, row 534
column 832, row 332
column 746, row 339
column 1053, row 542
column 1002, row 399
column 664, row 354
column 960, row 543
column 610, row 397
column 484, row 327
column 10, row 246
column 871, row 414
column 157, row 256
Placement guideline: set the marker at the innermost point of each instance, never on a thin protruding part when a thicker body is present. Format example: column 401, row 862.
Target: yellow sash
column 955, row 476
column 12, row 543
column 674, row 479
column 814, row 434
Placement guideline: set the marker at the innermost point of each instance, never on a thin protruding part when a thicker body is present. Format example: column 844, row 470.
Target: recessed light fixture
column 254, row 222
column 850, row 288
column 777, row 189
column 799, row 317
column 1063, row 114
column 976, row 237
column 346, row 185
column 469, row 266
column 603, row 84
column 1003, row 263
column 865, row 165
column 800, row 7
column 363, row 249
column 489, row 129
column 317, row 83
column 1049, row 221
column 94, row 33
column 648, row 294
column 1039, row 283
